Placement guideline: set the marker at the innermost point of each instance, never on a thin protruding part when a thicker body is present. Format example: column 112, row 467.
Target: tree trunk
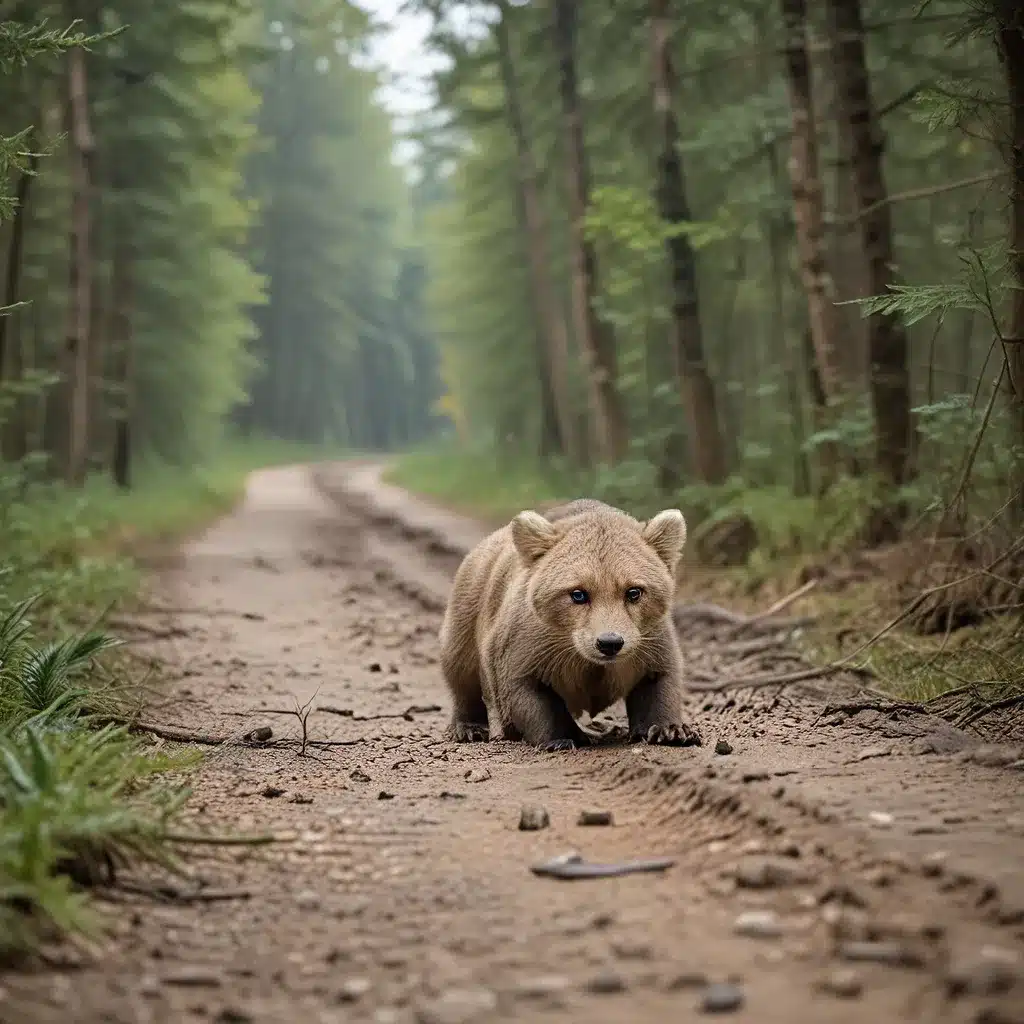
column 887, row 338
column 123, row 351
column 76, row 346
column 708, row 450
column 15, row 250
column 1010, row 36
column 607, row 414
column 12, row 440
column 554, row 334
column 808, row 204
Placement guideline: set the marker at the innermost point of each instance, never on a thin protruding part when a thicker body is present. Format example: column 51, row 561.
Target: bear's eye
column 579, row 596
column 634, row 594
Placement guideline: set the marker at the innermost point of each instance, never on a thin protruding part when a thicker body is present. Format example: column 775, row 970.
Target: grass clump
column 77, row 802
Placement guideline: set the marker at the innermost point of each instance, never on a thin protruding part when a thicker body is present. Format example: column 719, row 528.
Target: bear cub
column 557, row 614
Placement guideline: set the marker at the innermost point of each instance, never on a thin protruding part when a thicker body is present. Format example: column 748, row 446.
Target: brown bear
column 561, row 613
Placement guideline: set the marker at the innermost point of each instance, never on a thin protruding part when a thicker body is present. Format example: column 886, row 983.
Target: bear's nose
column 609, row 644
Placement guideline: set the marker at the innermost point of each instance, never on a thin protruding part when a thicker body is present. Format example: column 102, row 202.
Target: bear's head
column 601, row 581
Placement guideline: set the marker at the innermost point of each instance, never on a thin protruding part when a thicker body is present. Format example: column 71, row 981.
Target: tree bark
column 887, row 338
column 608, row 420
column 123, row 351
column 76, row 360
column 707, row 447
column 808, row 204
column 554, row 334
column 1010, row 38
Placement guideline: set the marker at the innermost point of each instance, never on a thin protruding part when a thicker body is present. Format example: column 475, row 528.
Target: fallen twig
column 571, row 866
column 781, row 679
column 169, row 892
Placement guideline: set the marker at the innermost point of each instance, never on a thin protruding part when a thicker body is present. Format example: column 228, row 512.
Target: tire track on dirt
column 402, row 892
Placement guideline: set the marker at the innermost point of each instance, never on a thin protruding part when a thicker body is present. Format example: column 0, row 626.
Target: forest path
column 847, row 869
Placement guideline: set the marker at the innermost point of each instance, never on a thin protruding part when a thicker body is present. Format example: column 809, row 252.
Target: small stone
column 533, row 818
column 687, row 979
column 723, row 747
column 458, row 1006
column 478, row 775
column 992, row 972
column 193, row 977
column 259, row 735
column 359, row 776
column 881, row 818
column 758, row 924
column 353, row 990
column 629, row 949
column 605, row 984
column 385, row 795
column 374, row 666
column 870, row 752
column 545, row 986
column 892, row 954
column 843, row 983
column 149, row 987
column 270, row 792
column 993, row 756
column 234, row 1015
column 300, row 798
column 770, row 873
column 595, row 818
column 308, row 900
column 721, row 997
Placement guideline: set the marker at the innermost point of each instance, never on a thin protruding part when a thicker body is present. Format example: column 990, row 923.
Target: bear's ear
column 532, row 535
column 666, row 533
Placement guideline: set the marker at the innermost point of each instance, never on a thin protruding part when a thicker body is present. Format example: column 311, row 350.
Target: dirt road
column 846, row 867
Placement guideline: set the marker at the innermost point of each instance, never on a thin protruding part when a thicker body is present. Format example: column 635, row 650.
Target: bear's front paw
column 676, row 735
column 554, row 746
column 467, row 732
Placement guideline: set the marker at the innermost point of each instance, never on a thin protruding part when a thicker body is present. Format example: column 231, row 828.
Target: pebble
column 723, row 747
column 770, row 873
column 300, row 798
column 193, row 977
column 533, row 818
column 843, row 983
column 628, row 949
column 687, row 979
column 307, row 900
column 458, row 1006
column 354, row 989
column 478, row 775
column 758, row 924
column 892, row 954
column 880, row 818
column 270, row 792
column 595, row 818
column 991, row 972
column 869, row 752
column 259, row 735
column 605, row 984
column 992, row 756
column 545, row 986
column 234, row 1015
column 721, row 997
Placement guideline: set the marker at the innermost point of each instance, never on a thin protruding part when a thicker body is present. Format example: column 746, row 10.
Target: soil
column 828, row 864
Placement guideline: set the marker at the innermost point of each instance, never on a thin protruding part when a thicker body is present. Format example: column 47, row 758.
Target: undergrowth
column 80, row 798
column 77, row 803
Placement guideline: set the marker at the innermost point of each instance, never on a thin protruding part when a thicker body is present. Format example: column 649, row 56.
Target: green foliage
column 76, row 804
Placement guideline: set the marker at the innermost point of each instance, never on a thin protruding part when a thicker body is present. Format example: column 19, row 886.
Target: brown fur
column 520, row 657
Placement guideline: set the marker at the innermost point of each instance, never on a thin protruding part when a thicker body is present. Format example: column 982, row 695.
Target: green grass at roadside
column 476, row 483
column 81, row 799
